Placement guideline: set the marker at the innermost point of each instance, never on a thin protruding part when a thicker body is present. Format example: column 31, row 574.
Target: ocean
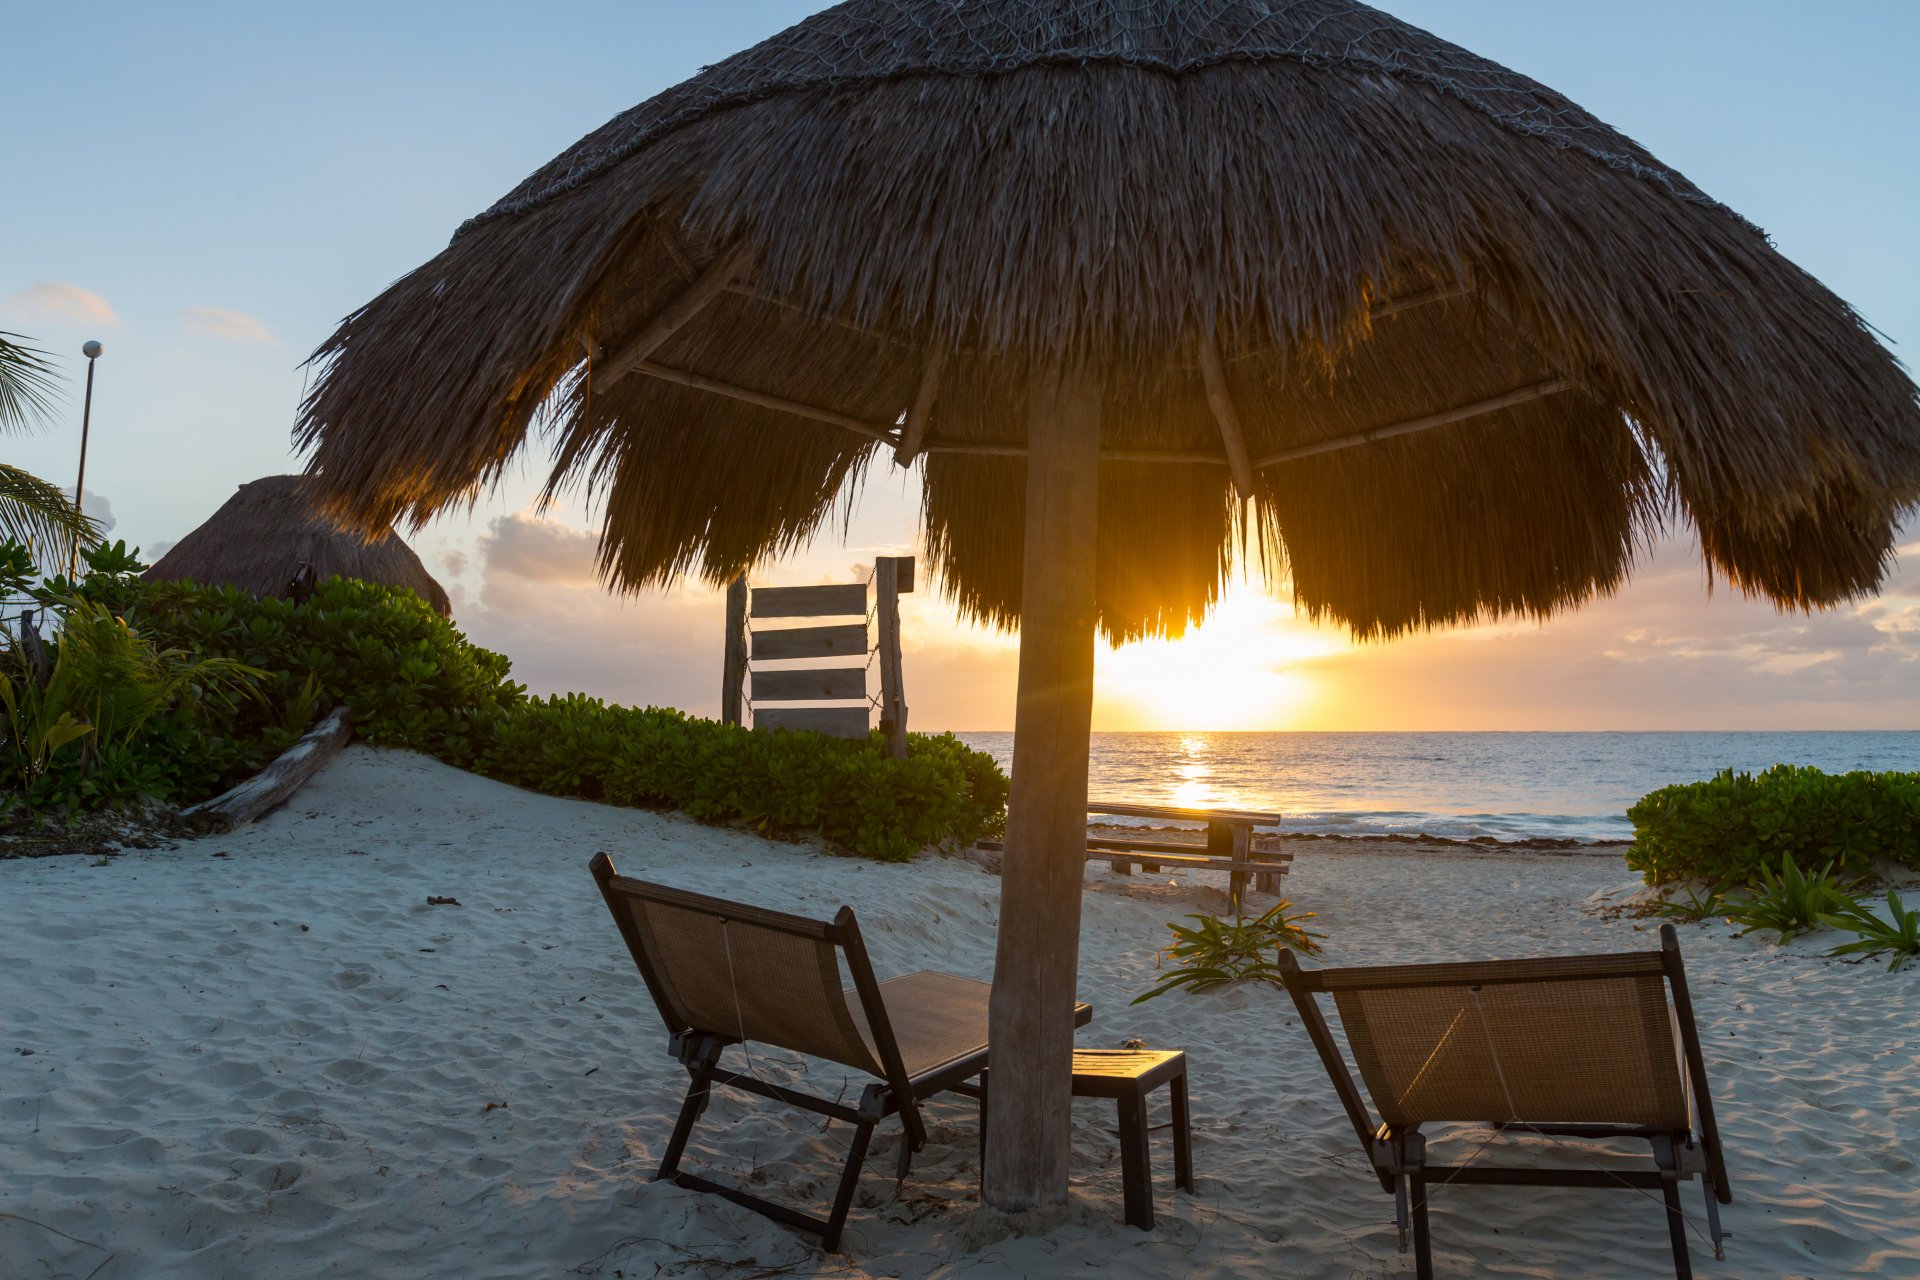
column 1511, row 786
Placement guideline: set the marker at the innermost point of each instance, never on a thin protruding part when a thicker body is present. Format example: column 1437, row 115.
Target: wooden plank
column 733, row 666
column 1192, row 857
column 812, row 684
column 838, row 599
column 811, row 642
column 835, row 722
column 1179, row 811
column 280, row 779
column 893, row 698
column 1198, row 861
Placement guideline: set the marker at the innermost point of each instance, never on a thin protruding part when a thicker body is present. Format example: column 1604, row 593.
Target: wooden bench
column 1266, row 871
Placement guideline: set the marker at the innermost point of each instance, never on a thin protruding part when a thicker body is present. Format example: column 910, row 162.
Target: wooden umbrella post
column 1036, row 964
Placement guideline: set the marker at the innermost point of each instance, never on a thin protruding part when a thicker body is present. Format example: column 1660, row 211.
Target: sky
column 208, row 188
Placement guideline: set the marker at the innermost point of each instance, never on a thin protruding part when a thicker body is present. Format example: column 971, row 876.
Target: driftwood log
column 273, row 784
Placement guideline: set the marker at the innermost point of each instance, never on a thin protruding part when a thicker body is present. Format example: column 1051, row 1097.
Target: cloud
column 1661, row 655
column 97, row 505
column 230, row 326
column 539, row 551
column 57, row 302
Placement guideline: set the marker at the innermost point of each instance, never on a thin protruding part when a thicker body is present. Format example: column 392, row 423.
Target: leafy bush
column 1791, row 903
column 1729, row 829
column 410, row 679
column 1214, row 953
column 1900, row 934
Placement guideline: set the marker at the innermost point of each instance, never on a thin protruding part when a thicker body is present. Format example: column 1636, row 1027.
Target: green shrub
column 1730, row 828
column 410, row 679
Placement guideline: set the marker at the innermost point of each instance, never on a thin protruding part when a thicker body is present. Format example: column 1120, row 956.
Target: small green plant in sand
column 1214, row 952
column 1699, row 904
column 1899, row 935
column 1791, row 903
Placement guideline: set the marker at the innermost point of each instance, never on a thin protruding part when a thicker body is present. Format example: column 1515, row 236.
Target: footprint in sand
column 244, row 1142
column 348, row 979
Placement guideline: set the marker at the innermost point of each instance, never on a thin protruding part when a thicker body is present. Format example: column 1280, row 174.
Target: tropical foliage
column 1729, row 829
column 1213, row 953
column 31, row 510
column 1790, row 903
column 1899, row 934
column 220, row 681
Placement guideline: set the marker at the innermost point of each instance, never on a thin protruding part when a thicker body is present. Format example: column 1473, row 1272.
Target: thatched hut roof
column 261, row 536
column 1466, row 346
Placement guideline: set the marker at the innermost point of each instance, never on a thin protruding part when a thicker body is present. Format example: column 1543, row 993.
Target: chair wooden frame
column 699, row 1049
column 1398, row 1152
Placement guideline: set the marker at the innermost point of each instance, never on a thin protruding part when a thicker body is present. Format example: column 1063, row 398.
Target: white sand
column 283, row 1063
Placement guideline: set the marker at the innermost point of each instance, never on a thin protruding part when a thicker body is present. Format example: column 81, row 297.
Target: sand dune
column 266, row 1055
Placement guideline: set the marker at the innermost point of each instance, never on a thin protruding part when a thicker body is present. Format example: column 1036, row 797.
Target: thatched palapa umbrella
column 1145, row 286
column 272, row 533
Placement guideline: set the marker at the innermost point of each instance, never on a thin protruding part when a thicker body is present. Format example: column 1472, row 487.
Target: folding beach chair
column 1579, row 1047
column 722, row 973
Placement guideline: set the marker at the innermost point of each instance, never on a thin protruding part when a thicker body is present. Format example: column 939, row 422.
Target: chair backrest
column 1560, row 1040
column 739, row 972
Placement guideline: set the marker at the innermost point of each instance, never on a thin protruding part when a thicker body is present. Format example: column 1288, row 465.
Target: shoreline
column 1278, row 841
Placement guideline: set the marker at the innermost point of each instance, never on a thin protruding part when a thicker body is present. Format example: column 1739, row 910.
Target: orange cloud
column 56, row 301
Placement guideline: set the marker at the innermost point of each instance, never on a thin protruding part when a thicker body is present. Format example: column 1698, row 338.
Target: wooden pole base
column 1037, row 959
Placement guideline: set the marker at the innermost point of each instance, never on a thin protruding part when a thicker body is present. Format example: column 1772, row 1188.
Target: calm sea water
column 1506, row 785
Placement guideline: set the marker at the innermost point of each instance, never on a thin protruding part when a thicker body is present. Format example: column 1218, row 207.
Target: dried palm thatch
column 261, row 538
column 1464, row 346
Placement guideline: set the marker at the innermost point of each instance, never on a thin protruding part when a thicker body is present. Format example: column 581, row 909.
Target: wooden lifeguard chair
column 837, row 698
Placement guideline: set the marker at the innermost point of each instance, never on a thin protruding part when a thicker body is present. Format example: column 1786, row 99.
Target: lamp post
column 92, row 352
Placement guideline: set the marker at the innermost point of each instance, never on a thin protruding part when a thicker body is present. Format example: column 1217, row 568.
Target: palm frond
column 28, row 386
column 38, row 514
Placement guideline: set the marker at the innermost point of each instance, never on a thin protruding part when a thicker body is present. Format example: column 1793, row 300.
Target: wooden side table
column 1128, row 1076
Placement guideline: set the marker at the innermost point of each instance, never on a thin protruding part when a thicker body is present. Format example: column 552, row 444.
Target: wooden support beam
column 887, row 574
column 673, row 317
column 1106, row 455
column 1373, row 435
column 1227, row 416
column 914, row 434
column 748, row 396
column 733, row 666
column 1030, row 1014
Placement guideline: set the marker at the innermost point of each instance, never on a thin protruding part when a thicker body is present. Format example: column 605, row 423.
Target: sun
column 1249, row 666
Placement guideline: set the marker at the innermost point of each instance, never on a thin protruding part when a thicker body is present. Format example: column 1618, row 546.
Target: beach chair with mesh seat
column 1574, row 1048
column 723, row 973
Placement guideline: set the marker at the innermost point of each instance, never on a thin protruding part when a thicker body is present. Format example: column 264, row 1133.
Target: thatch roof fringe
column 854, row 46
column 1368, row 249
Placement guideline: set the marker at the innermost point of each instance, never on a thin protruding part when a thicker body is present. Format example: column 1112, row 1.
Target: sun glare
column 1247, row 667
